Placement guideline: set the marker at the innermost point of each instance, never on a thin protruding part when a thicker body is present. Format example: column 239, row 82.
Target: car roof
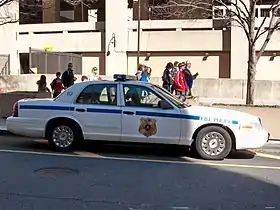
column 75, row 89
column 131, row 82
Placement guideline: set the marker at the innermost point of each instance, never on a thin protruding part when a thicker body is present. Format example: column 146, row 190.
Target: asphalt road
column 132, row 178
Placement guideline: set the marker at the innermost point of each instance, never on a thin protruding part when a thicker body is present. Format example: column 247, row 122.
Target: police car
column 126, row 110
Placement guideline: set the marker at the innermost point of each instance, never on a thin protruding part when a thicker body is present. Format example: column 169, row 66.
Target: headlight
column 251, row 126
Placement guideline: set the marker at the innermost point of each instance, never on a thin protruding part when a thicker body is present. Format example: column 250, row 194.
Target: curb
column 247, row 105
column 267, row 155
column 273, row 142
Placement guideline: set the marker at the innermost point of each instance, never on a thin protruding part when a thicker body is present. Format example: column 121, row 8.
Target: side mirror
column 164, row 105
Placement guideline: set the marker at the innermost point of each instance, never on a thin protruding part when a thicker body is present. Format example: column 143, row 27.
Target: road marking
column 260, row 154
column 92, row 155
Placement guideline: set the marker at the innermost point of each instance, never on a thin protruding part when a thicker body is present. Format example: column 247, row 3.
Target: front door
column 142, row 119
column 98, row 112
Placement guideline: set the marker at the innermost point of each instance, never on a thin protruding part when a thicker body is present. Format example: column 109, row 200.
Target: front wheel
column 63, row 136
column 213, row 143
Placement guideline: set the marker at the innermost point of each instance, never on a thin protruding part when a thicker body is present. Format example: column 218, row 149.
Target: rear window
column 102, row 94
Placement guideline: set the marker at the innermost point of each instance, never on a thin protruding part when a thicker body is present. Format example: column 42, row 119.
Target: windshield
column 170, row 97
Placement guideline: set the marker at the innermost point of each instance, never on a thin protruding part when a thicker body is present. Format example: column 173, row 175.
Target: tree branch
column 240, row 14
column 188, row 9
column 86, row 3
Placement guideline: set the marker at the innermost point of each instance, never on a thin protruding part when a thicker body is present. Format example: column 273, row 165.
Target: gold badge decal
column 147, row 127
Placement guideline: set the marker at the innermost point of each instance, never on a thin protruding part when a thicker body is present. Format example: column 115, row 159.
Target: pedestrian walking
column 68, row 77
column 42, row 84
column 180, row 83
column 167, row 77
column 189, row 78
column 57, row 85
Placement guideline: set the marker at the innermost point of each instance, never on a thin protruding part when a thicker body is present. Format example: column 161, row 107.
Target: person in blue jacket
column 189, row 77
column 144, row 76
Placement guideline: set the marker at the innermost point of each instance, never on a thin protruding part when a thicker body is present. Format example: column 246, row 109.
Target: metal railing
column 4, row 64
column 50, row 62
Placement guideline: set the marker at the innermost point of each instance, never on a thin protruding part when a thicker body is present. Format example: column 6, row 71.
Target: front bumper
column 251, row 139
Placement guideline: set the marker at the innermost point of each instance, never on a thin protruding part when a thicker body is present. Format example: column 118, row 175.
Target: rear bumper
column 24, row 127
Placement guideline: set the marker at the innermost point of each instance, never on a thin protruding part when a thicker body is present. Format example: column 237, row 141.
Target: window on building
column 277, row 13
column 30, row 11
column 99, row 94
column 169, row 10
column 257, row 13
column 265, row 12
column 218, row 13
column 130, row 4
column 265, row 2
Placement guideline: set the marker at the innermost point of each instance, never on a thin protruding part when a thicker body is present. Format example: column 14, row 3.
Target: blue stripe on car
column 168, row 115
column 111, row 111
column 42, row 107
column 117, row 111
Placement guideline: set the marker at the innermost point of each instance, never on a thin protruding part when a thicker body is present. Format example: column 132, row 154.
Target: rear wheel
column 213, row 143
column 63, row 136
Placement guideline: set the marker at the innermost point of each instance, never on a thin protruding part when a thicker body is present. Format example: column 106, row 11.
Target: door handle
column 80, row 110
column 128, row 113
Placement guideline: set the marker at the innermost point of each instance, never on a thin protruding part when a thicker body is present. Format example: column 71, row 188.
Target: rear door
column 96, row 108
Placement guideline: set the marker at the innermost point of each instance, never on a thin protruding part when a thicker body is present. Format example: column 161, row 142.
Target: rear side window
column 98, row 94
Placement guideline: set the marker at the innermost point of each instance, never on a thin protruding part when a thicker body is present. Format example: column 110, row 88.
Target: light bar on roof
column 124, row 77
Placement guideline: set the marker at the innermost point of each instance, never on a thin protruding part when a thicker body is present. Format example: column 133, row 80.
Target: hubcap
column 213, row 143
column 63, row 136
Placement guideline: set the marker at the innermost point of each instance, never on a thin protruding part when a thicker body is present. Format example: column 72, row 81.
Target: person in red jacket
column 57, row 85
column 180, row 85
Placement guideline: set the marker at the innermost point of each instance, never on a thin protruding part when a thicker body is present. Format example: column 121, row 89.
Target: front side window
column 140, row 96
column 175, row 101
column 102, row 94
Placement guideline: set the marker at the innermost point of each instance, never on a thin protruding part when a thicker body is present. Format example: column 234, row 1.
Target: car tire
column 213, row 143
column 63, row 136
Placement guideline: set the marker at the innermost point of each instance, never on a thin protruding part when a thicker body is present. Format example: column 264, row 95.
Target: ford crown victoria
column 131, row 111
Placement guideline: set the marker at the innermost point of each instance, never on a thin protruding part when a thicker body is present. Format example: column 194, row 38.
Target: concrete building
column 214, row 51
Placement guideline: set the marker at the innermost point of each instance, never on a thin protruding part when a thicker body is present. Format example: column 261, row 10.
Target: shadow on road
column 113, row 184
column 159, row 152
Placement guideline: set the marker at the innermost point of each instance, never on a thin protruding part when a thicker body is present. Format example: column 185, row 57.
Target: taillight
column 15, row 110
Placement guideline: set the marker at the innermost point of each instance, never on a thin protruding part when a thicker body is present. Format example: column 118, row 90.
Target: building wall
column 165, row 40
column 165, row 45
column 206, row 69
column 231, row 90
column 177, row 41
column 8, row 35
column 65, row 37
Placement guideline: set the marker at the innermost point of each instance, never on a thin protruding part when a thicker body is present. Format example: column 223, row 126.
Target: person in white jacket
column 94, row 74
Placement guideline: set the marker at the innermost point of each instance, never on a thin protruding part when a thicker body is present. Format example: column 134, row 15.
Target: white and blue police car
column 125, row 110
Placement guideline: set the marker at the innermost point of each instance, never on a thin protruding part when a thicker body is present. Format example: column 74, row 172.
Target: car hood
column 220, row 112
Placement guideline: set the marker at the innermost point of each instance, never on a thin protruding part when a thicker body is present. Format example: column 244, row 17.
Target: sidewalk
column 209, row 101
